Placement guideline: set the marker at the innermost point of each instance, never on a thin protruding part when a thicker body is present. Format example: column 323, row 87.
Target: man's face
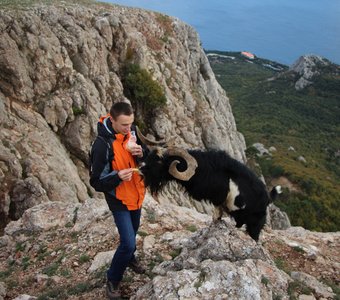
column 122, row 124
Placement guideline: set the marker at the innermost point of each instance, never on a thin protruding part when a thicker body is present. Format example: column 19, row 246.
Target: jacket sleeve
column 103, row 179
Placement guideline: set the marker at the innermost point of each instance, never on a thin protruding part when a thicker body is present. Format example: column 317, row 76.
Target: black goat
column 216, row 177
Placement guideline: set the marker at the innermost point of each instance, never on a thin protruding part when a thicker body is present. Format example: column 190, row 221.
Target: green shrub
column 142, row 233
column 19, row 247
column 53, row 293
column 51, row 269
column 174, row 253
column 252, row 152
column 298, row 249
column 77, row 111
column 151, row 216
column 334, row 286
column 191, row 228
column 80, row 288
column 42, row 252
column 269, row 168
column 25, row 262
column 296, row 287
column 65, row 273
column 145, row 94
column 84, row 258
column 282, row 265
column 5, row 274
column 264, row 280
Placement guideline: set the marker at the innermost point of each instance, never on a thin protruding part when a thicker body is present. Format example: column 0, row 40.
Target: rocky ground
column 185, row 255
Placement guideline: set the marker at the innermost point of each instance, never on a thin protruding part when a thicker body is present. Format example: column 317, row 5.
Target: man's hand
column 136, row 150
column 125, row 174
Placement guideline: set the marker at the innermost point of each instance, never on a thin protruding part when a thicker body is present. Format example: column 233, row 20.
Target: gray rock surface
column 277, row 218
column 2, row 290
column 305, row 66
column 185, row 254
column 321, row 290
column 60, row 69
column 217, row 262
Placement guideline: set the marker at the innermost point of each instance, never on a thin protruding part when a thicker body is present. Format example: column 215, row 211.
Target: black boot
column 112, row 290
column 135, row 266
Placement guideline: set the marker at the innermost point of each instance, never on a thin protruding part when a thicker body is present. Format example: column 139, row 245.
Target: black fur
column 211, row 182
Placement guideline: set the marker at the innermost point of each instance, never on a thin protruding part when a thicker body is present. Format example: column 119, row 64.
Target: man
column 114, row 173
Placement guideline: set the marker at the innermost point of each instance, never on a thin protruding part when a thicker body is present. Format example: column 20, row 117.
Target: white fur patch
column 160, row 152
column 233, row 193
column 278, row 189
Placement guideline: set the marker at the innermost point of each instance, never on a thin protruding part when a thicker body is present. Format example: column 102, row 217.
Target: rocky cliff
column 60, row 69
column 308, row 67
column 64, row 253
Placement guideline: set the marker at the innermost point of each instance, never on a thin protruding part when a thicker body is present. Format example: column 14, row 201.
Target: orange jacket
column 107, row 160
column 132, row 192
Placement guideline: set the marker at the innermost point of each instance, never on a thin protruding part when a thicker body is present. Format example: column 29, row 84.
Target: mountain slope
column 186, row 256
column 295, row 108
column 60, row 69
column 62, row 65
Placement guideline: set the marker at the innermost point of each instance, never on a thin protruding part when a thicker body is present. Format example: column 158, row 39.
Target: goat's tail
column 276, row 190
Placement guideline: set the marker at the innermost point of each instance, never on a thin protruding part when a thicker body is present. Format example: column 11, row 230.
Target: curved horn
column 148, row 142
column 190, row 160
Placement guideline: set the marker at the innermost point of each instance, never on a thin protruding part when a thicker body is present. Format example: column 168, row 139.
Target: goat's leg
column 218, row 213
column 155, row 196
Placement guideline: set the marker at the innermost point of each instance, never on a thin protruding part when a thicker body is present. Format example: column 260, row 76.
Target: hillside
column 62, row 65
column 296, row 110
column 64, row 255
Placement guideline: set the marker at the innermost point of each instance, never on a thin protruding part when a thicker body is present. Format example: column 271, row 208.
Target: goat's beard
column 154, row 179
column 155, row 187
column 154, row 184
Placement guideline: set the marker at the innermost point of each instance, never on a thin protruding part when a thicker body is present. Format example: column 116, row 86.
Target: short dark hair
column 121, row 108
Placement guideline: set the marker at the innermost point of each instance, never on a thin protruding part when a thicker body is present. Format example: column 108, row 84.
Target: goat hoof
column 217, row 220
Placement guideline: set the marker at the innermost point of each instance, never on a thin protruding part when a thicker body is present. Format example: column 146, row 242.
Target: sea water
column 280, row 30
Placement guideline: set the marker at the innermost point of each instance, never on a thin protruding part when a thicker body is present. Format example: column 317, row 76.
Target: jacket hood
column 104, row 127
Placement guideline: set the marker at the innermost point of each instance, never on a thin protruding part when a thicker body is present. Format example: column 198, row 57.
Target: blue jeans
column 127, row 223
